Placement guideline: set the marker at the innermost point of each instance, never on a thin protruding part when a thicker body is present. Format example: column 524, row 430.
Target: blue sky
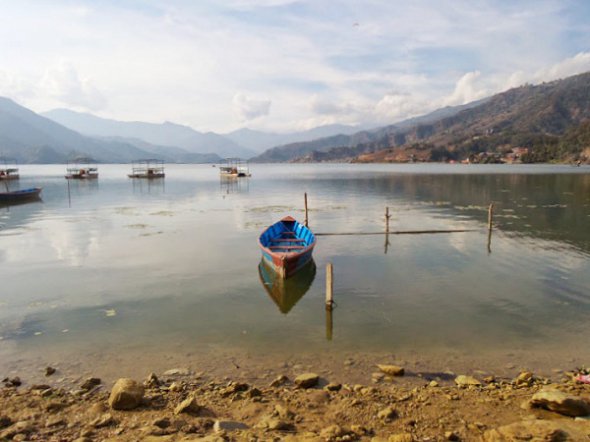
column 282, row 65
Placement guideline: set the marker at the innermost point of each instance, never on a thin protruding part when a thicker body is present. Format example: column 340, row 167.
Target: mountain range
column 550, row 121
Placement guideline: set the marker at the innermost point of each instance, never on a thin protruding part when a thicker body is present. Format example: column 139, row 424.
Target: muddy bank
column 395, row 404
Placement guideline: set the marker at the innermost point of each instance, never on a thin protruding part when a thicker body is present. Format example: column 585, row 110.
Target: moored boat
column 8, row 170
column 17, row 196
column 287, row 246
column 81, row 169
column 148, row 169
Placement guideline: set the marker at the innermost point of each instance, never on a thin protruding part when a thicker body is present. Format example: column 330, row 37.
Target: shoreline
column 395, row 404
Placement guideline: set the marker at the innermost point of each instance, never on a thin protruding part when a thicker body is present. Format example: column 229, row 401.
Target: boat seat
column 286, row 247
column 287, row 240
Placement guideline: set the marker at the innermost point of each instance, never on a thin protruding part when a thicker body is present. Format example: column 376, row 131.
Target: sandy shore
column 182, row 404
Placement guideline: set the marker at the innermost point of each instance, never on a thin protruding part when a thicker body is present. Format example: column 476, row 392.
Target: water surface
column 116, row 269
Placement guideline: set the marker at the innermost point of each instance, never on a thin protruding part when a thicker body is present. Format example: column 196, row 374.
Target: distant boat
column 148, row 169
column 286, row 292
column 20, row 196
column 81, row 169
column 287, row 246
column 8, row 170
column 234, row 168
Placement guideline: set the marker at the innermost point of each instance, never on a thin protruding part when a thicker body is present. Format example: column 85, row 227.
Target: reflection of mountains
column 550, row 206
column 286, row 292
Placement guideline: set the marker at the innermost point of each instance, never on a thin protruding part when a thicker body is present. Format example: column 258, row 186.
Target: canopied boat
column 81, row 169
column 287, row 246
column 234, row 168
column 8, row 170
column 147, row 169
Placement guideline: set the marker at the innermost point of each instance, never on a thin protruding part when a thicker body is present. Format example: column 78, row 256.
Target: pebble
column 189, row 405
column 90, row 383
column 49, row 371
column 177, row 372
column 391, row 370
column 465, row 381
column 220, row 426
column 307, row 380
column 126, row 394
column 387, row 414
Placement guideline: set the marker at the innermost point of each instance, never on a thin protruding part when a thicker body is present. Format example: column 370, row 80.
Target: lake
column 122, row 276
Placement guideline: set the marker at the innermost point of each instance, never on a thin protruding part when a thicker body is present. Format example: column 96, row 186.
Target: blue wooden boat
column 18, row 196
column 287, row 246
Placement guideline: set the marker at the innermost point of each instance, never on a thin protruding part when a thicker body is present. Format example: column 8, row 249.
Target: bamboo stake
column 387, row 216
column 306, row 211
column 490, row 216
column 329, row 286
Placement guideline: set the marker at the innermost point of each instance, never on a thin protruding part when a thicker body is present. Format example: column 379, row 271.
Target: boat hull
column 20, row 195
column 287, row 246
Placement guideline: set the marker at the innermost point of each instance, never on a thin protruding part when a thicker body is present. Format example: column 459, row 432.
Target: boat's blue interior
column 287, row 236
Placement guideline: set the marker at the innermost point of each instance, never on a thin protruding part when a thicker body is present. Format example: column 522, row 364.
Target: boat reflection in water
column 286, row 292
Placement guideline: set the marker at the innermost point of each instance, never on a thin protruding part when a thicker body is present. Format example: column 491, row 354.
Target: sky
column 282, row 65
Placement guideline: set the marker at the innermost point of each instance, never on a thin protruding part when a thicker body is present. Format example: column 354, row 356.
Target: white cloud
column 250, row 108
column 570, row 66
column 63, row 83
column 466, row 90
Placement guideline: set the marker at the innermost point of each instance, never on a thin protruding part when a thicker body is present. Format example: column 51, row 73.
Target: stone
column 189, row 406
column 105, row 420
column 333, row 431
column 524, row 379
column 279, row 380
column 539, row 430
column 49, row 371
column 451, row 435
column 391, row 370
column 90, row 383
column 387, row 413
column 55, row 422
column 273, row 423
column 126, row 394
column 333, row 386
column 220, row 426
column 560, row 402
column 176, row 386
column 283, row 412
column 177, row 372
column 466, row 381
column 5, row 421
column 152, row 381
column 307, row 380
column 162, row 422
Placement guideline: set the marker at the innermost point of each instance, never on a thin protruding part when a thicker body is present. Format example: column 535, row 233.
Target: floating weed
column 128, row 211
column 110, row 312
column 136, row 226
column 255, row 225
column 163, row 213
column 152, row 233
column 272, row 209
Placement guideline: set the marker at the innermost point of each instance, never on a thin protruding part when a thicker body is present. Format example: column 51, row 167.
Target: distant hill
column 31, row 138
column 550, row 120
column 349, row 140
column 260, row 141
column 165, row 134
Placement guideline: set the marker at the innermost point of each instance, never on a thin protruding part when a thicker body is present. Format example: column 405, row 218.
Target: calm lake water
column 169, row 269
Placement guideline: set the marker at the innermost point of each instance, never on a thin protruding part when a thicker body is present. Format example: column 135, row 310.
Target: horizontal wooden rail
column 397, row 232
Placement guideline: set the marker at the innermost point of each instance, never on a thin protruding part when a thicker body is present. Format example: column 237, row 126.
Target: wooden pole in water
column 306, row 217
column 329, row 286
column 387, row 216
column 329, row 324
column 490, row 226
